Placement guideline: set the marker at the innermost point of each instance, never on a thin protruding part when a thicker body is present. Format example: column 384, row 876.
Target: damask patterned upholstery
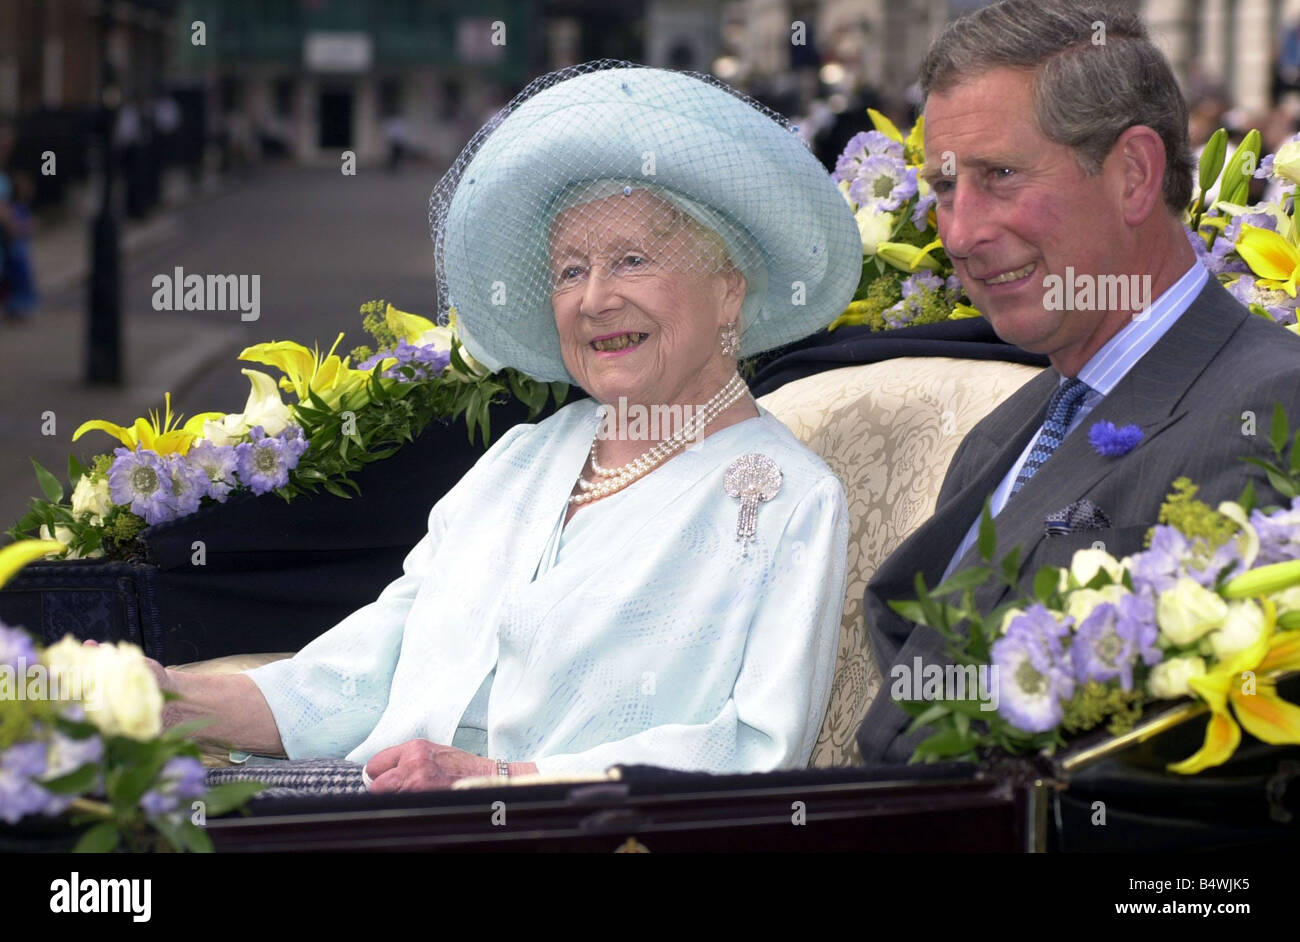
column 888, row 430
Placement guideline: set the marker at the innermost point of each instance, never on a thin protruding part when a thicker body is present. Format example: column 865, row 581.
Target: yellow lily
column 165, row 436
column 914, row 146
column 1264, row 714
column 884, row 125
column 1270, row 256
column 408, row 327
column 908, row 257
column 961, row 311
column 17, row 555
column 306, row 371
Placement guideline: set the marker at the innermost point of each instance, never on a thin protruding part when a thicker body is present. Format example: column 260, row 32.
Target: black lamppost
column 104, row 326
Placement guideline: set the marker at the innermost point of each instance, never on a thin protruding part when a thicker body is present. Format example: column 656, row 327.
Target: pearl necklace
column 612, row 480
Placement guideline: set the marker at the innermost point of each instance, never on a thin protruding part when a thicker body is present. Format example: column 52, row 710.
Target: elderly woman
column 652, row 575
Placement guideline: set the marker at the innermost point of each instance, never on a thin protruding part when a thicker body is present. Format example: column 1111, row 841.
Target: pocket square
column 1081, row 515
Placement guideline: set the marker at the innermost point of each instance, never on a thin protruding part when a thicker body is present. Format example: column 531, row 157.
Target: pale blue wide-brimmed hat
column 737, row 168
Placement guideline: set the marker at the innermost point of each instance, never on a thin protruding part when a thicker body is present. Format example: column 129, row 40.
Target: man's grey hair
column 1097, row 74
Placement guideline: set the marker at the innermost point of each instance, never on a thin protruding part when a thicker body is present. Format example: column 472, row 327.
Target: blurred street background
column 138, row 136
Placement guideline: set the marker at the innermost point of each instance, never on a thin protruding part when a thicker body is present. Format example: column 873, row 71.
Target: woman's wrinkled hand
column 421, row 765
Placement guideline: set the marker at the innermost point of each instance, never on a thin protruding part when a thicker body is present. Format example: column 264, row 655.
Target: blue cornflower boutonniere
column 1111, row 441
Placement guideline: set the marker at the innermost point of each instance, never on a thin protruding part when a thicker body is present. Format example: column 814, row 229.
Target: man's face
column 1019, row 208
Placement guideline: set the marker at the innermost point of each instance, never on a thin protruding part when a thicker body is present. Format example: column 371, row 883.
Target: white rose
column 91, row 499
column 1188, row 611
column 1168, row 679
column 1241, row 629
column 874, row 229
column 1088, row 562
column 1080, row 603
column 118, row 689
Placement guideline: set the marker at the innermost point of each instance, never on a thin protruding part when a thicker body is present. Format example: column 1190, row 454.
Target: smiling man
column 1057, row 145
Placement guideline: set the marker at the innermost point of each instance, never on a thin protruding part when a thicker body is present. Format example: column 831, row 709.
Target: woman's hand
column 421, row 765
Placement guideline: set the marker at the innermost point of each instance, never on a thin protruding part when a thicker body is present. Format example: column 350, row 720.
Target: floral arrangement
column 1210, row 610
column 907, row 278
column 342, row 417
column 1252, row 248
column 81, row 736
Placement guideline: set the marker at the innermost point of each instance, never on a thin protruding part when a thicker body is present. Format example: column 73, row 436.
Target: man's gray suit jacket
column 1197, row 394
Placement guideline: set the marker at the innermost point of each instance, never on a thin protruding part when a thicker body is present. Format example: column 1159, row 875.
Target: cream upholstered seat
column 889, row 430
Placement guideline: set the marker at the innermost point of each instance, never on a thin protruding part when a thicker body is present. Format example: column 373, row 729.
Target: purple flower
column 862, row 145
column 1279, row 535
column 1158, row 567
column 1265, row 167
column 20, row 796
column 182, row 779
column 1279, row 305
column 16, row 649
column 883, row 184
column 921, row 214
column 218, row 463
column 264, row 462
column 1033, row 672
column 141, row 480
column 1111, row 442
column 922, row 281
column 189, row 484
column 425, row 361
column 1112, row 637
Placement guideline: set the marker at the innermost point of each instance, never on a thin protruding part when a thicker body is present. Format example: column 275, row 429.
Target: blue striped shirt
column 1102, row 373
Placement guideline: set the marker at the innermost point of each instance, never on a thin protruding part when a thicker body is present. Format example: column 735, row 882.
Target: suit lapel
column 1149, row 396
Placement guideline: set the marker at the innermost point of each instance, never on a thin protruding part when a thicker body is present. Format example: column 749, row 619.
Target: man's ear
column 1140, row 159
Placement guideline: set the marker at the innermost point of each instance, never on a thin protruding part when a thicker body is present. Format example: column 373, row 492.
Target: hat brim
column 701, row 142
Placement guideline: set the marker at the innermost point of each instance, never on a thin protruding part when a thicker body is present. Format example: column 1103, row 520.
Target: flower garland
column 342, row 417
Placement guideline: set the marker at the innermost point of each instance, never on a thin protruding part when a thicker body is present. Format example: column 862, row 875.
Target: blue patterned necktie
column 1061, row 409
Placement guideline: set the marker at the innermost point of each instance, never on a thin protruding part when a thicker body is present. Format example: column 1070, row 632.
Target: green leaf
column 560, row 392
column 226, row 798
column 1248, row 499
column 74, row 783
column 50, row 485
column 1010, row 566
column 946, row 744
column 1277, row 435
column 103, row 838
column 988, row 538
column 971, row 578
column 75, row 470
column 1046, row 581
column 1212, row 159
column 910, row 610
column 929, row 716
